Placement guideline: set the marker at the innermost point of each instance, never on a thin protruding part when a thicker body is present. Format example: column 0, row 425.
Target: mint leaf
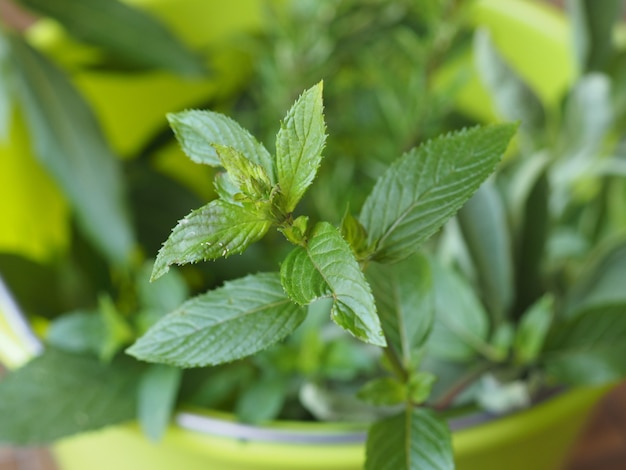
column 588, row 349
column 249, row 177
column 77, row 332
column 59, row 394
column 218, row 229
column 416, row 439
column 299, row 145
column 69, row 143
column 461, row 327
column 262, row 400
column 93, row 21
column 158, row 388
column 383, row 391
column 601, row 283
column 533, row 329
column 426, row 186
column 327, row 268
column 483, row 222
column 234, row 321
column 198, row 132
column 406, row 305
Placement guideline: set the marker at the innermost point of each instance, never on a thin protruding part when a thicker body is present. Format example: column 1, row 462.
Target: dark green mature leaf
column 593, row 23
column 416, row 439
column 602, row 283
column 484, row 225
column 59, row 394
column 513, row 99
column 406, row 304
column 69, row 143
column 234, row 321
column 589, row 348
column 157, row 396
column 123, row 30
column 327, row 268
column 299, row 145
column 461, row 325
column 426, row 187
column 198, row 131
column 531, row 244
column 217, row 229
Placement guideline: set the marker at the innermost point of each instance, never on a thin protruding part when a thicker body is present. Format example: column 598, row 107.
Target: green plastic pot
column 538, row 438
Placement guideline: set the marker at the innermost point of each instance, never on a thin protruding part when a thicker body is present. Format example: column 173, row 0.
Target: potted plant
column 506, row 343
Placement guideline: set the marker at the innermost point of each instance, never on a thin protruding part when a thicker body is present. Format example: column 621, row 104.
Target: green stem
column 395, row 363
column 448, row 398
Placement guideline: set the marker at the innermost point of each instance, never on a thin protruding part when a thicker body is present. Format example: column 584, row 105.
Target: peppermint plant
column 369, row 266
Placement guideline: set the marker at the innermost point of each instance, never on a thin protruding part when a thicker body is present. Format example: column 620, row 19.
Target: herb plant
column 257, row 192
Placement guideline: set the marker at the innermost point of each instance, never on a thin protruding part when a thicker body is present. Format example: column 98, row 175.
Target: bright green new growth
column 398, row 312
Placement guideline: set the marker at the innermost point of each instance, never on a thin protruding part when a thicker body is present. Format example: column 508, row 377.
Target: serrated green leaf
column 217, row 229
column 532, row 330
column 208, row 329
column 198, row 131
column 420, row 386
column 461, row 326
column 299, row 145
column 416, row 439
column 158, row 387
column 406, row 304
column 588, row 349
column 249, row 177
column 59, row 394
column 69, row 143
column 138, row 37
column 484, row 225
column 327, row 268
column 426, row 186
column 514, row 100
column 383, row 391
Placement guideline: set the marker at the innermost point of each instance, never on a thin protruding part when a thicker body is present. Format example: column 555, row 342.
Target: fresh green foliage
column 198, row 132
column 414, row 439
column 405, row 301
column 157, row 391
column 426, row 186
column 512, row 297
column 299, row 146
column 69, row 143
column 92, row 21
column 411, row 200
column 208, row 329
column 48, row 386
column 326, row 268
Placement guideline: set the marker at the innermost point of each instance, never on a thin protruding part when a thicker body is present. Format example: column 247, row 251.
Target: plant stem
column 448, row 398
column 395, row 363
